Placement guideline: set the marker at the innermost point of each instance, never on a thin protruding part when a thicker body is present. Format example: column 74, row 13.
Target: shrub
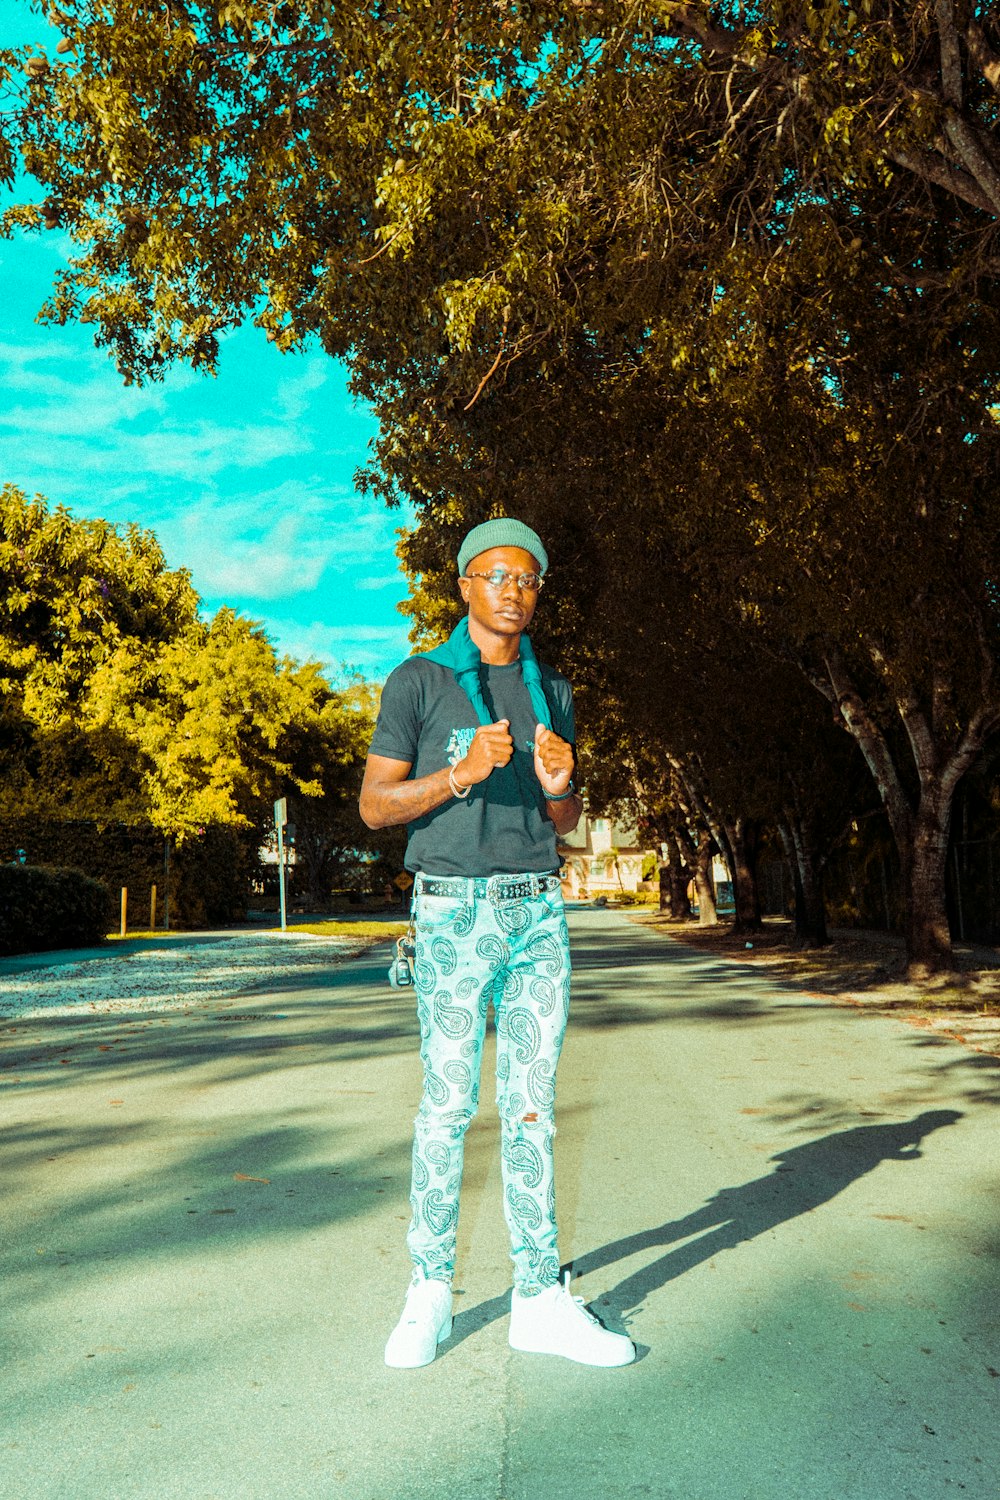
column 211, row 877
column 209, row 873
column 43, row 908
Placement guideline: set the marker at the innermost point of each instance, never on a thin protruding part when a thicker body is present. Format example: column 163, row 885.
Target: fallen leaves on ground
column 864, row 969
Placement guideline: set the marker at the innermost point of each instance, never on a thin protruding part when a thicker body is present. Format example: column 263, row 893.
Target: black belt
column 494, row 887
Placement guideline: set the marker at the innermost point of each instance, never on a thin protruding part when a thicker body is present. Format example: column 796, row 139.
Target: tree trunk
column 707, row 914
column 928, row 933
column 921, row 832
column 743, row 838
column 674, row 881
column 310, row 865
column 807, row 876
column 791, row 859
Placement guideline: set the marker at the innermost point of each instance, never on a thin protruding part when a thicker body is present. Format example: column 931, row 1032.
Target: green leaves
column 117, row 703
column 707, row 292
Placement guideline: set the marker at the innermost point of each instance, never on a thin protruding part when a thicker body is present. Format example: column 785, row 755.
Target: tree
column 426, row 176
column 80, row 603
column 857, row 543
column 118, row 704
column 326, row 745
column 872, row 543
column 647, row 230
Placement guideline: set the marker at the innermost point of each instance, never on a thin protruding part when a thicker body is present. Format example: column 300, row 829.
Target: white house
column 601, row 857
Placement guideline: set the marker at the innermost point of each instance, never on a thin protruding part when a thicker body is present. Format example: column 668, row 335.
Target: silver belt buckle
column 514, row 890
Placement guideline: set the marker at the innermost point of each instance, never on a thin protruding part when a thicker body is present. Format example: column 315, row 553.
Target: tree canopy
column 706, row 292
column 481, row 178
column 119, row 704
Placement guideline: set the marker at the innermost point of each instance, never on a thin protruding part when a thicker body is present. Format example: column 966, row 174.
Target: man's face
column 506, row 610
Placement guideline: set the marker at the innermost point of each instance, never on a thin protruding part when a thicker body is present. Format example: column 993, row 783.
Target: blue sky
column 247, row 479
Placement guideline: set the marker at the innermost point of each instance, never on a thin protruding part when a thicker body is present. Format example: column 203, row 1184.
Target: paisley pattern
column 440, row 1211
column 514, row 918
column 526, row 1159
column 525, row 1208
column 444, row 956
column 545, row 995
column 543, row 950
column 439, row 1157
column 454, row 1020
column 437, row 1091
column 459, row 1073
column 542, row 1081
column 465, row 921
column 470, row 955
column 524, row 1033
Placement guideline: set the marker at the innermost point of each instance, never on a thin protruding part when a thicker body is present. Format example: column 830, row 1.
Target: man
column 474, row 751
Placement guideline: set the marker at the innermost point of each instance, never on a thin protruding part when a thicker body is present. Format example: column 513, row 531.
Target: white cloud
column 294, row 391
column 371, row 649
column 66, row 389
column 87, row 429
column 280, row 541
column 383, row 581
column 266, row 545
column 247, row 479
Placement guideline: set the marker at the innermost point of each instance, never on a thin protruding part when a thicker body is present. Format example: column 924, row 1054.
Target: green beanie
column 502, row 531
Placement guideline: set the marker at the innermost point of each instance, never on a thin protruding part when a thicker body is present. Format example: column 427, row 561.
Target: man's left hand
column 553, row 761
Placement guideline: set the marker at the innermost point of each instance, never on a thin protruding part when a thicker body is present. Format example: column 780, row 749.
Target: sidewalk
column 792, row 1207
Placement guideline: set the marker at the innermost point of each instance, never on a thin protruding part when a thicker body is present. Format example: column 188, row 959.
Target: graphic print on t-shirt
column 459, row 744
column 501, row 827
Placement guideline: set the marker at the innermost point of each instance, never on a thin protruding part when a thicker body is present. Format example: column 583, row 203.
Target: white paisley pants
column 471, row 951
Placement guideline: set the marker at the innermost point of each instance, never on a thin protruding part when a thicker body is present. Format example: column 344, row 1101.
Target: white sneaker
column 426, row 1322
column 555, row 1322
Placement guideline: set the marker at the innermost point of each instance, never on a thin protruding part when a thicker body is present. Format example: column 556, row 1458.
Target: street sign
column 404, row 881
column 281, row 812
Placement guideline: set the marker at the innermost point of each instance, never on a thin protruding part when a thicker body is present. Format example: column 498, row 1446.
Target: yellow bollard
column 152, row 909
column 124, row 907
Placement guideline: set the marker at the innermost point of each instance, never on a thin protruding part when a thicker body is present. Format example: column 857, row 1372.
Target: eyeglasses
column 498, row 580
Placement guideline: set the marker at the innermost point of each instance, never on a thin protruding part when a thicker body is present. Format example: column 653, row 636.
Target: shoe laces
column 577, row 1301
column 422, row 1297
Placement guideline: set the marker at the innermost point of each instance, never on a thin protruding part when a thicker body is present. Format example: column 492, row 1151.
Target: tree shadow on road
column 804, row 1178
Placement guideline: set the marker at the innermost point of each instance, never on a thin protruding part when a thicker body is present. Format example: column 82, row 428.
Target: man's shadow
column 804, row 1177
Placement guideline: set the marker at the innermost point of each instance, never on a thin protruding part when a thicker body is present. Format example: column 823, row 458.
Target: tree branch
column 943, row 174
column 951, row 60
column 982, row 54
column 696, row 23
column 975, row 157
column 492, row 369
column 874, row 747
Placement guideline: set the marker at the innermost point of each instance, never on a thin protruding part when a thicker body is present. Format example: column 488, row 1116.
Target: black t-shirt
column 501, row 828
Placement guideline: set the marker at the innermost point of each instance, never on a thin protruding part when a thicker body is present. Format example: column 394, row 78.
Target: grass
column 138, row 932
column 372, row 931
column 363, row 932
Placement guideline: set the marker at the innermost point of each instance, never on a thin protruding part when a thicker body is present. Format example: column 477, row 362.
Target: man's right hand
column 491, row 746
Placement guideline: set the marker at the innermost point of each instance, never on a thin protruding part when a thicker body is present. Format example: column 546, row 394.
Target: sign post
column 166, row 882
column 280, row 819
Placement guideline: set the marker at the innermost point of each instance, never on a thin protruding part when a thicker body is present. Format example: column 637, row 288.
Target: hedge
column 210, row 872
column 42, row 907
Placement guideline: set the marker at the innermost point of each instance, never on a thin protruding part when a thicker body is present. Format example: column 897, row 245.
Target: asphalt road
column 791, row 1207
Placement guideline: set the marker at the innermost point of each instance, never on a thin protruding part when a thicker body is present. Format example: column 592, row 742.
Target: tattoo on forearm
column 396, row 802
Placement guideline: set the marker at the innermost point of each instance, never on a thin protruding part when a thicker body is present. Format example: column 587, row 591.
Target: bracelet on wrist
column 456, row 790
column 561, row 796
